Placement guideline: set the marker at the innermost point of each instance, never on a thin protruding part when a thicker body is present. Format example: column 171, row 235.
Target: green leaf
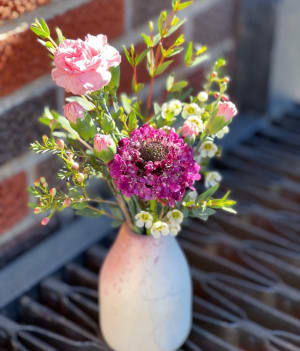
column 174, row 52
column 45, row 27
column 83, row 102
column 161, row 20
column 198, row 60
column 229, row 209
column 178, row 86
column 45, row 121
column 156, row 39
column 202, row 213
column 150, row 62
column 86, row 127
column 179, row 41
column 174, row 28
column 107, row 123
column 189, row 53
column 115, row 78
column 170, row 82
column 132, row 121
column 129, row 59
column 184, row 5
column 60, row 36
column 126, row 102
column 162, row 67
column 39, row 32
column 40, row 28
column 140, row 57
column 147, row 40
column 79, row 205
column 65, row 124
column 208, row 193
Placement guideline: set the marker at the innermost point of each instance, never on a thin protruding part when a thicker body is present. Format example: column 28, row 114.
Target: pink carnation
column 154, row 164
column 73, row 110
column 102, row 142
column 227, row 109
column 83, row 66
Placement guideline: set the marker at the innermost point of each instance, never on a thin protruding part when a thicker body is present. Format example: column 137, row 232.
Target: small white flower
column 171, row 108
column 193, row 195
column 222, row 132
column 197, row 121
column 174, row 228
column 202, row 96
column 175, row 216
column 143, row 218
column 208, row 149
column 191, row 110
column 175, row 106
column 159, row 228
column 212, row 179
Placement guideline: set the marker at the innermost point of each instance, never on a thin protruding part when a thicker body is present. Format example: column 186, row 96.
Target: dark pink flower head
column 154, row 164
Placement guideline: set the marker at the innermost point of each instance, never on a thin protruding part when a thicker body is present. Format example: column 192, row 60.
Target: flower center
column 153, row 151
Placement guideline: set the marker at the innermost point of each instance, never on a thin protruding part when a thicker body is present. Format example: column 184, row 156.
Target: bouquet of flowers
column 149, row 154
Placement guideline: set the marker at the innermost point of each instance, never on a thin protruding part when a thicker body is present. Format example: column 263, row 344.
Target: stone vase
column 145, row 294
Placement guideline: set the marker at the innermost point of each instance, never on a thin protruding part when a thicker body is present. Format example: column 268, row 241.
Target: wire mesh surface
column 245, row 268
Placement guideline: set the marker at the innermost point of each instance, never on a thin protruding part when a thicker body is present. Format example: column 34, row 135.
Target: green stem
column 153, row 208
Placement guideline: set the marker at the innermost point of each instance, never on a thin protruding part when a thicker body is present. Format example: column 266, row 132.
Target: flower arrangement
column 150, row 155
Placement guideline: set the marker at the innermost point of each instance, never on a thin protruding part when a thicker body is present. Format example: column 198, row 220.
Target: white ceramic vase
column 145, row 294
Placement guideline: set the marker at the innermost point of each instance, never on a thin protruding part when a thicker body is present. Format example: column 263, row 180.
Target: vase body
column 145, row 294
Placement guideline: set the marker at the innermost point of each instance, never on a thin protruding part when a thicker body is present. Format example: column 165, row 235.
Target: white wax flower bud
column 212, row 179
column 202, row 96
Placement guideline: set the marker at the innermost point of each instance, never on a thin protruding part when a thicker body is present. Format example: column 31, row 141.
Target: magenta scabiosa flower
column 154, row 164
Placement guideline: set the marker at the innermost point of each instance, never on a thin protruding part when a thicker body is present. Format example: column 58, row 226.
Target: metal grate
column 246, row 268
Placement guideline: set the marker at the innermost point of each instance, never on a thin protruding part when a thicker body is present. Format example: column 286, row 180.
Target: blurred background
column 260, row 40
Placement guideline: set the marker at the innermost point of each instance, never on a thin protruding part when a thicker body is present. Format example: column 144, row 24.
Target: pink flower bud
column 60, row 143
column 37, row 210
column 102, row 142
column 75, row 166
column 52, row 192
column 45, row 221
column 73, row 110
column 227, row 109
column 67, row 202
column 217, row 95
column 189, row 129
column 214, row 74
column 226, row 80
column 104, row 147
column 225, row 98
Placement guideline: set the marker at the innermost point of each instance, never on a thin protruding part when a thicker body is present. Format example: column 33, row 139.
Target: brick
column 142, row 73
column 145, row 10
column 19, row 126
column 11, row 9
column 13, row 201
column 24, row 65
column 216, row 23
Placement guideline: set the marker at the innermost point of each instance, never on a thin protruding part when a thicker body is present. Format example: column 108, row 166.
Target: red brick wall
column 25, row 84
